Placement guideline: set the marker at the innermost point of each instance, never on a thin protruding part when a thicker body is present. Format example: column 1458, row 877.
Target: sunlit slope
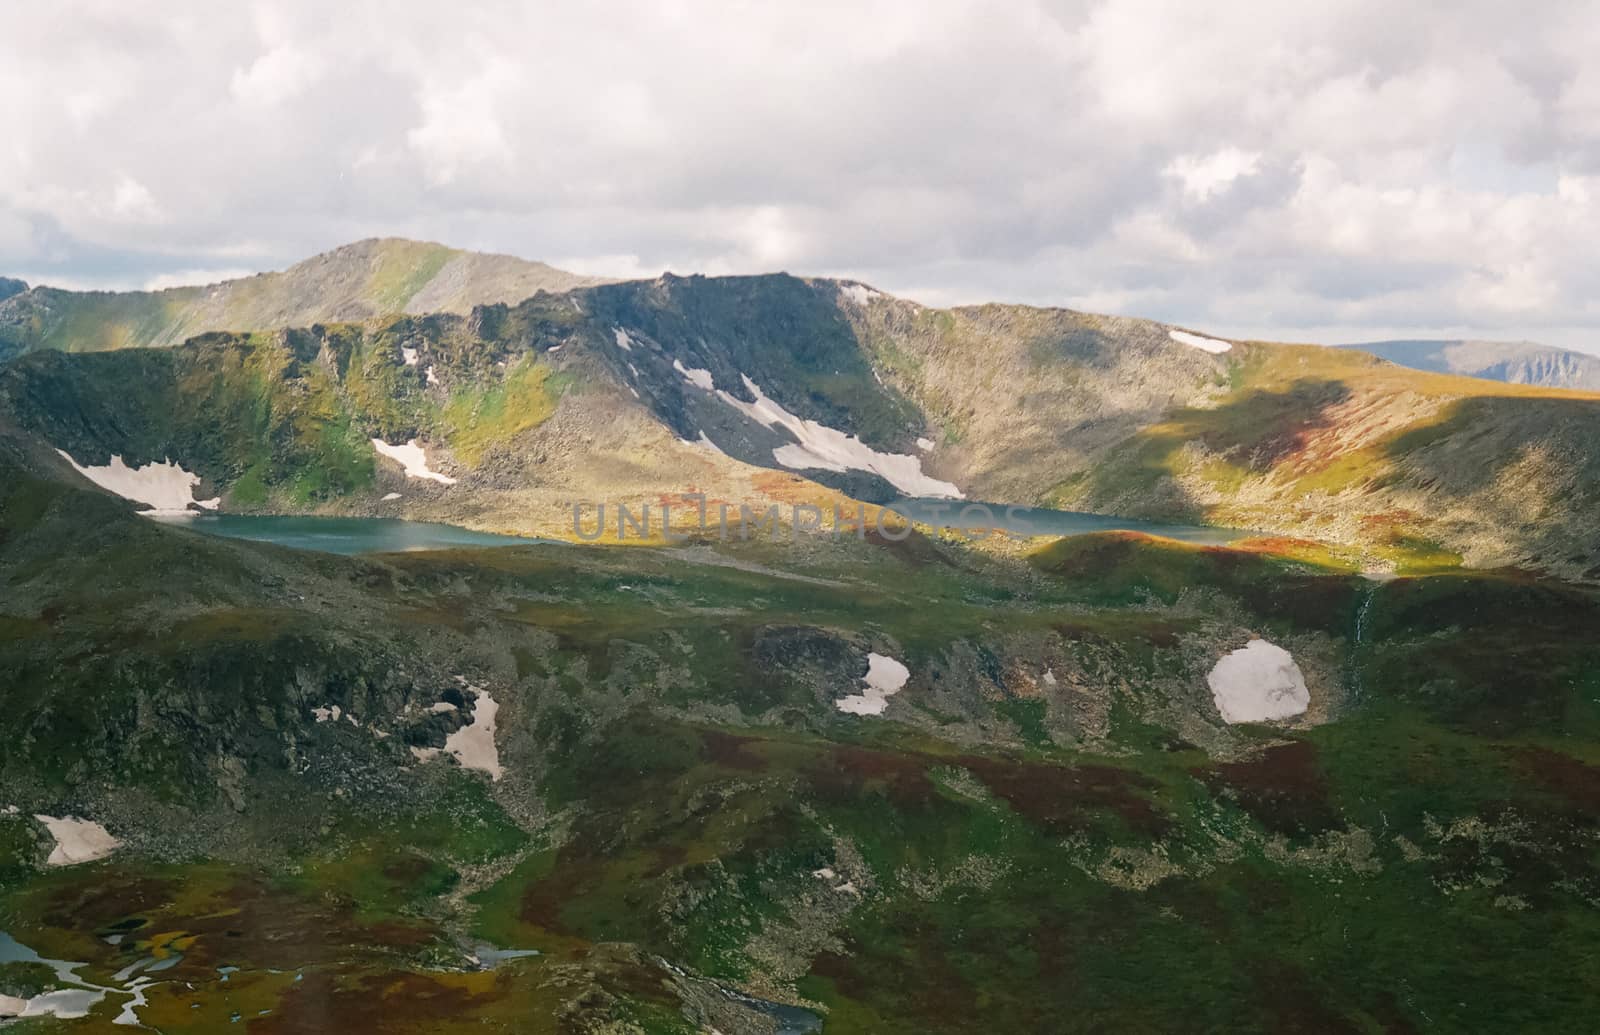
column 356, row 282
column 1342, row 446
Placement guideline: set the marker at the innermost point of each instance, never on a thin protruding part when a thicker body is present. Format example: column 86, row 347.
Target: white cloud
column 1204, row 176
column 1279, row 169
column 276, row 76
column 460, row 123
column 131, row 201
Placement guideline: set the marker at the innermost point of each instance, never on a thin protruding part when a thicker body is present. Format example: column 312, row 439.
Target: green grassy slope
column 359, row 281
column 997, row 852
column 285, row 417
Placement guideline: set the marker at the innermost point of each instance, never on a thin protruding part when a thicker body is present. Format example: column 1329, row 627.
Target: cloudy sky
column 1330, row 171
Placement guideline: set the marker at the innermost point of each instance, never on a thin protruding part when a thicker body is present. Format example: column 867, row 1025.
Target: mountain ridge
column 1514, row 362
column 365, row 279
column 774, row 389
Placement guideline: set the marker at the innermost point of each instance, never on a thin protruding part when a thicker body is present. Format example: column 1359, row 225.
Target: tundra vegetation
column 877, row 784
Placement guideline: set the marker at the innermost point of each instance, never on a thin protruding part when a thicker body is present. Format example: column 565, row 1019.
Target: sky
column 1339, row 171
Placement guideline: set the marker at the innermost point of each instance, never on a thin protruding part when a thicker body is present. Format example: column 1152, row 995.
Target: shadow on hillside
column 1248, row 435
column 1531, row 467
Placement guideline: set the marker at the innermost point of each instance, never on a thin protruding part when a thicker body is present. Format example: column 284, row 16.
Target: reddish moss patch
column 728, row 751
column 1578, row 784
column 1064, row 799
column 844, row 773
column 400, row 1001
column 1283, row 789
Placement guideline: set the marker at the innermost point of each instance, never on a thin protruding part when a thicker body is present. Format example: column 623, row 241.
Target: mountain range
column 773, row 389
column 1515, row 362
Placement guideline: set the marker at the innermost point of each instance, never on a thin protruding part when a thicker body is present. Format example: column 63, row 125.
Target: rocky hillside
column 333, row 784
column 356, row 282
column 1515, row 362
column 775, row 389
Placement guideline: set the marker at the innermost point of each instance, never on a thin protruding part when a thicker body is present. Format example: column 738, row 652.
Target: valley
column 1306, row 739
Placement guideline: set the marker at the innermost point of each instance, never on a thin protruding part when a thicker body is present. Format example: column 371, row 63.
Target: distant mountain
column 1515, row 362
column 356, row 282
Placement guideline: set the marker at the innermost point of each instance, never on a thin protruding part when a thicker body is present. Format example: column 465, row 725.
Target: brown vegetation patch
column 1069, row 799
column 1283, row 788
column 400, row 1001
column 728, row 751
column 1572, row 780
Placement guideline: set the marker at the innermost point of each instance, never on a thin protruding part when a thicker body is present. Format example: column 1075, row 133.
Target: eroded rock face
column 1259, row 682
column 818, row 657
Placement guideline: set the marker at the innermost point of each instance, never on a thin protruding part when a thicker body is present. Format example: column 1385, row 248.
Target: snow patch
column 165, row 487
column 624, row 342
column 705, row 443
column 409, row 355
column 1212, row 345
column 413, row 458
column 390, row 496
column 860, row 294
column 325, row 714
column 64, row 1004
column 694, row 375
column 885, row 677
column 77, row 840
column 1258, row 682
column 441, row 708
column 925, row 444
column 473, row 745
column 433, row 378
column 823, row 448
column 1049, row 677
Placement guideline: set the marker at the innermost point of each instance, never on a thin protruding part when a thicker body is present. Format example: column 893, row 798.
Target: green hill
column 356, row 282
